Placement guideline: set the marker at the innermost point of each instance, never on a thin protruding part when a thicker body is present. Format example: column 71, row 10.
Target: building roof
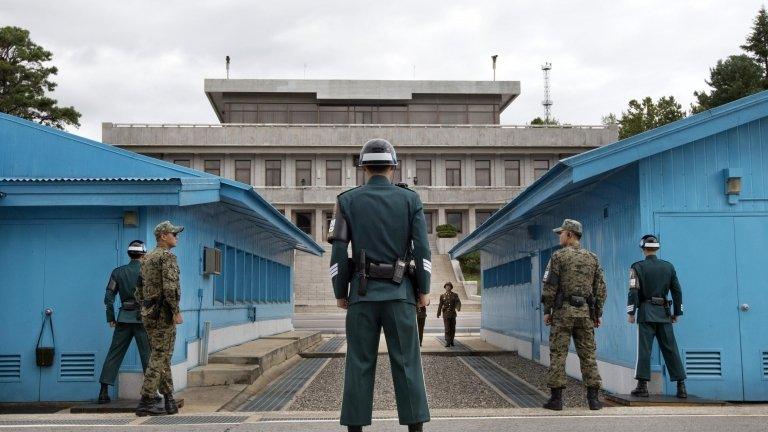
column 42, row 166
column 580, row 170
column 359, row 90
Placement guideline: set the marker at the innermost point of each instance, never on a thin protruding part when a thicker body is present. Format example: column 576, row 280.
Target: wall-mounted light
column 733, row 184
column 130, row 219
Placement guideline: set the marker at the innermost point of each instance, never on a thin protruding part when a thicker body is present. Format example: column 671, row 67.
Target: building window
column 482, row 173
column 304, row 221
column 423, row 173
column 512, row 173
column 359, row 172
column 303, row 173
column 243, row 171
column 273, row 173
column 398, row 175
column 482, row 215
column 327, row 216
column 453, row 173
column 428, row 217
column 333, row 173
column 540, row 167
column 212, row 166
column 183, row 162
column 455, row 218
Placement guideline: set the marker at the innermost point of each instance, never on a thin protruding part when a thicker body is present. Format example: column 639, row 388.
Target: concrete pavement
column 467, row 322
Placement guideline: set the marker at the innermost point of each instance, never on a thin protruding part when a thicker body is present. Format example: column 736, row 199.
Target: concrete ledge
column 263, row 352
column 118, row 406
column 223, row 374
column 660, row 400
column 306, row 339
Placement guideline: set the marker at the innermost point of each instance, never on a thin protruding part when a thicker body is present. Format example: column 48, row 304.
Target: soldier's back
column 578, row 268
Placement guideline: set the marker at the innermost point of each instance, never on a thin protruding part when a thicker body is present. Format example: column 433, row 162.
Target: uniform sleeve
column 550, row 282
column 422, row 256
column 599, row 291
column 171, row 288
column 109, row 297
column 677, row 294
column 633, row 297
column 440, row 307
column 340, row 270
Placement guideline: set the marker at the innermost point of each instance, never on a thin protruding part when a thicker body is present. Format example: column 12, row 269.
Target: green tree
column 757, row 43
column 646, row 115
column 609, row 119
column 731, row 79
column 25, row 81
column 538, row 121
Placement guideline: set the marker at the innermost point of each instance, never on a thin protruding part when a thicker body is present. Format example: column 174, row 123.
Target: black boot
column 641, row 390
column 682, row 393
column 354, row 429
column 415, row 427
column 555, row 401
column 592, row 398
column 104, row 395
column 170, row 404
column 147, row 407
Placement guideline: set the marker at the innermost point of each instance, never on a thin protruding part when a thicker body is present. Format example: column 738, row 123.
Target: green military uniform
column 128, row 325
column 159, row 278
column 450, row 303
column 421, row 317
column 383, row 220
column 650, row 281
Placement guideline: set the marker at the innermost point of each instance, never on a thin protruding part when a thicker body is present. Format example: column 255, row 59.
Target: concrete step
column 217, row 374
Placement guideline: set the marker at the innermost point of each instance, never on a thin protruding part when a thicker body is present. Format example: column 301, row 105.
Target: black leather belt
column 657, row 301
column 129, row 305
column 376, row 270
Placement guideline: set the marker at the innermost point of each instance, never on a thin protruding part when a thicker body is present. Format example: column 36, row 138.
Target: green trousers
column 365, row 321
column 121, row 340
column 664, row 334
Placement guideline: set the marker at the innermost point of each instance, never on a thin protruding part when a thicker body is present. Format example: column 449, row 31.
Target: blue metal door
column 22, row 247
column 752, row 306
column 703, row 250
column 536, row 307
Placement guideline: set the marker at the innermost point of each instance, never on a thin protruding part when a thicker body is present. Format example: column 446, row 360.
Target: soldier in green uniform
column 421, row 317
column 386, row 226
column 573, row 296
column 650, row 281
column 450, row 303
column 158, row 292
column 128, row 324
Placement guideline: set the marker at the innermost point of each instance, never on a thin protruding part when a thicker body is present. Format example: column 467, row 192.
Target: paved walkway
column 333, row 322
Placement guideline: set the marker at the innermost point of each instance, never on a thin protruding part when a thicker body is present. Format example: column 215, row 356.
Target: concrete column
column 472, row 219
column 468, row 171
column 439, row 167
column 318, row 226
column 441, row 218
column 259, row 173
column 289, row 171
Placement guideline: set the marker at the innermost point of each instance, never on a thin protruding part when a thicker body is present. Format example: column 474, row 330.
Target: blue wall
column 509, row 309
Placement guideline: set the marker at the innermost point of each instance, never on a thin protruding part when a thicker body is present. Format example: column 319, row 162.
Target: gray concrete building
column 296, row 142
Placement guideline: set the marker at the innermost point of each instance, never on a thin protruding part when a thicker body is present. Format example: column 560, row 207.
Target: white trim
column 376, row 157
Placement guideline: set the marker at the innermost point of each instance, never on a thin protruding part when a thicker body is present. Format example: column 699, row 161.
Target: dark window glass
column 483, row 173
column 359, row 173
column 455, row 219
column 183, row 162
column 333, row 173
column 452, row 173
column 482, row 216
column 212, row 167
column 398, row 175
column 540, row 167
column 304, row 221
column 303, row 173
column 273, row 172
column 327, row 216
column 423, row 173
column 243, row 171
column 428, row 218
column 512, row 173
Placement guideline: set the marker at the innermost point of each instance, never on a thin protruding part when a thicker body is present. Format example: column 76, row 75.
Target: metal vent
column 765, row 364
column 195, row 420
column 77, row 367
column 703, row 364
column 10, row 367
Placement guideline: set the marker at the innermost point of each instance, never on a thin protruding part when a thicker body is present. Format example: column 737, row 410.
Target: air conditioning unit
column 212, row 261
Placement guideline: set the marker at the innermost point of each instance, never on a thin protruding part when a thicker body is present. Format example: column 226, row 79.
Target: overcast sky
column 145, row 61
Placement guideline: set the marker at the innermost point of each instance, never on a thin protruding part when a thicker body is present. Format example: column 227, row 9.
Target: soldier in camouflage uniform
column 573, row 296
column 449, row 305
column 159, row 293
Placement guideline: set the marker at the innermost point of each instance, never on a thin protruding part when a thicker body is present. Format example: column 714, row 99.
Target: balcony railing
column 428, row 194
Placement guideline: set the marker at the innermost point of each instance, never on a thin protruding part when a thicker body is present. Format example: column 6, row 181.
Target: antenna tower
column 547, row 102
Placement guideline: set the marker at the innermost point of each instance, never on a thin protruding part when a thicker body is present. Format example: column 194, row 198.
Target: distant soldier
column 421, row 317
column 128, row 324
column 450, row 303
column 650, row 281
column 573, row 297
column 159, row 293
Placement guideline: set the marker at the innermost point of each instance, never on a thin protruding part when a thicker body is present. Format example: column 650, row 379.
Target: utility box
column 212, row 261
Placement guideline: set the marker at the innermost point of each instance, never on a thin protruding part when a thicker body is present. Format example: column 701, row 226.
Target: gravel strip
column 536, row 374
column 450, row 384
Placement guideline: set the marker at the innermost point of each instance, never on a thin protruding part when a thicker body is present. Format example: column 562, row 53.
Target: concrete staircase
column 244, row 363
column 315, row 294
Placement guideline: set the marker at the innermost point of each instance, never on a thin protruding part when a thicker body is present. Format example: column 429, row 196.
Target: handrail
column 351, row 126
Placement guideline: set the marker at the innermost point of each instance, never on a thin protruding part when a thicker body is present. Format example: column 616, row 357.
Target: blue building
column 69, row 207
column 701, row 184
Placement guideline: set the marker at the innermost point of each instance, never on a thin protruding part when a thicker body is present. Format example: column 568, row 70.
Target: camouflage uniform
column 449, row 305
column 576, row 272
column 159, row 276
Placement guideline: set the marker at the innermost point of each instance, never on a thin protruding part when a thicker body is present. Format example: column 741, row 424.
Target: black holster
column 593, row 314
